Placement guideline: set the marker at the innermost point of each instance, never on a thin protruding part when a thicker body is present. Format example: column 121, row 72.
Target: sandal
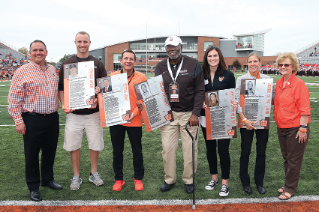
column 285, row 195
column 281, row 190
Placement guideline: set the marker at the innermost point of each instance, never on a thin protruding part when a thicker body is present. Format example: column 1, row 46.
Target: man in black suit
column 107, row 87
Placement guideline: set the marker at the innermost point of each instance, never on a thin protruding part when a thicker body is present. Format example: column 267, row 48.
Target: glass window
column 207, row 44
column 117, row 66
column 117, row 58
column 160, row 46
column 244, row 42
column 230, row 67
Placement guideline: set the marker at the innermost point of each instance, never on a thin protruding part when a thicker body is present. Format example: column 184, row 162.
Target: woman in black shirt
column 217, row 77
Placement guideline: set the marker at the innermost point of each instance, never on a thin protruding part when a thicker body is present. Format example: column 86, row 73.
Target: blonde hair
column 254, row 54
column 292, row 57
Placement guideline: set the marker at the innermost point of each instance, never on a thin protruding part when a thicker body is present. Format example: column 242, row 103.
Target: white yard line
column 158, row 202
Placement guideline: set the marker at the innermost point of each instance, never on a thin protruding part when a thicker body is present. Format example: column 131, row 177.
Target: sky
column 294, row 24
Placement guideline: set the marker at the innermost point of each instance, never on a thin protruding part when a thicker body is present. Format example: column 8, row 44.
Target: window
column 117, row 58
column 117, row 66
column 207, row 44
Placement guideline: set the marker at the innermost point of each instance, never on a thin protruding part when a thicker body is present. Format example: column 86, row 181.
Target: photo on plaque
column 106, row 84
column 250, row 87
column 255, row 101
column 220, row 115
column 114, row 100
column 212, row 99
column 79, row 87
column 156, row 109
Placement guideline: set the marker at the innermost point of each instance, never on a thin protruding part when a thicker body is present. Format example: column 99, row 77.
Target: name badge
column 174, row 92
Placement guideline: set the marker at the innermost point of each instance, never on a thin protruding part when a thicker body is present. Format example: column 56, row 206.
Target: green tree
column 24, row 51
column 236, row 64
column 66, row 56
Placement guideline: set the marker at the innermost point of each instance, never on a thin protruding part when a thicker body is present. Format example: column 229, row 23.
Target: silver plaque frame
column 156, row 108
column 256, row 104
column 220, row 115
column 114, row 102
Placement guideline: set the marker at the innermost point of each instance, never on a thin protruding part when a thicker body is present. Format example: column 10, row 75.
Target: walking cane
column 193, row 156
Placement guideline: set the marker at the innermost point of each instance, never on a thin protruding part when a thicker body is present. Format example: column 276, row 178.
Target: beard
column 177, row 55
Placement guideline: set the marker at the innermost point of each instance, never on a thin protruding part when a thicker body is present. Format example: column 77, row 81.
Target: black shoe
column 189, row 188
column 166, row 187
column 261, row 189
column 248, row 189
column 35, row 196
column 51, row 184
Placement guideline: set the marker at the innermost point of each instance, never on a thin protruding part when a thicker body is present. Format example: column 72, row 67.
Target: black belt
column 38, row 114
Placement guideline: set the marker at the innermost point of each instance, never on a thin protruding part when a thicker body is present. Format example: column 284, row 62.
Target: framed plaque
column 220, row 115
column 156, row 109
column 255, row 100
column 79, row 89
column 114, row 100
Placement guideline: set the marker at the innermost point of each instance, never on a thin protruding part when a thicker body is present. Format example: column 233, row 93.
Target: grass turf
column 12, row 177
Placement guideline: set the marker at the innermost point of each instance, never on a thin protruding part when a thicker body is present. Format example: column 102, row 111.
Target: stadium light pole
column 146, row 49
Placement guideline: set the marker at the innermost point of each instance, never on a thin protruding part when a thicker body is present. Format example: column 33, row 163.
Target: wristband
column 304, row 131
column 244, row 119
column 303, row 126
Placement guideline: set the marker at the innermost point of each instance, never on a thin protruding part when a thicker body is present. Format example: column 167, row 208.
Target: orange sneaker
column 118, row 185
column 138, row 185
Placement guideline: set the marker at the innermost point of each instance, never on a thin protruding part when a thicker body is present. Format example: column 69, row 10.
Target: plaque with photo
column 79, row 87
column 220, row 115
column 156, row 109
column 114, row 100
column 255, row 101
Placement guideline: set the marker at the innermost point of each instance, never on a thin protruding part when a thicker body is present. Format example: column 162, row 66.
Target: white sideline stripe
column 158, row 202
column 143, row 123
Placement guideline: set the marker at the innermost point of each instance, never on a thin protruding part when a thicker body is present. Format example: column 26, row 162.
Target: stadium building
column 151, row 51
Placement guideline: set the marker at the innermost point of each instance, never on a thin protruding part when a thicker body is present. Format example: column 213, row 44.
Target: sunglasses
column 286, row 65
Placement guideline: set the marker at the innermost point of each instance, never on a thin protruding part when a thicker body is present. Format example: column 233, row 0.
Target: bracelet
column 303, row 126
column 304, row 131
column 244, row 119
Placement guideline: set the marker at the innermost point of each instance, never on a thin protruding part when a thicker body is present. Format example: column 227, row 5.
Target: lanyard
column 129, row 76
column 170, row 70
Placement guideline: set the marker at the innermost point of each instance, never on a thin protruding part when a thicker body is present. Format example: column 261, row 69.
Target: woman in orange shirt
column 292, row 116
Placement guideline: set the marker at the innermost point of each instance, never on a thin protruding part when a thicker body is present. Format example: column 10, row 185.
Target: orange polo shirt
column 134, row 79
column 291, row 102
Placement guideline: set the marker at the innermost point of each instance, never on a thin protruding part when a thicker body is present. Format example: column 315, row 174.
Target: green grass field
column 12, row 177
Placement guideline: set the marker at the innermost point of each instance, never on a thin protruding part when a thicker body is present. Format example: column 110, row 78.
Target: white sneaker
column 76, row 182
column 211, row 185
column 224, row 191
column 96, row 179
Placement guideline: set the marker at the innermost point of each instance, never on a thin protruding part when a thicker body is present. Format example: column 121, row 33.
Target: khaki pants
column 170, row 135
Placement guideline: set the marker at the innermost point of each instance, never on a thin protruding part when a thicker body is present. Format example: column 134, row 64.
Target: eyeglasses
column 286, row 65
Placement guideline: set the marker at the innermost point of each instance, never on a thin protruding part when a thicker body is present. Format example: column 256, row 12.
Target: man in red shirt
column 33, row 105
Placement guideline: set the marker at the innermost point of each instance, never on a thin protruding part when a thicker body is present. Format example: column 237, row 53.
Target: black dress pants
column 135, row 136
column 223, row 151
column 42, row 133
column 261, row 144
